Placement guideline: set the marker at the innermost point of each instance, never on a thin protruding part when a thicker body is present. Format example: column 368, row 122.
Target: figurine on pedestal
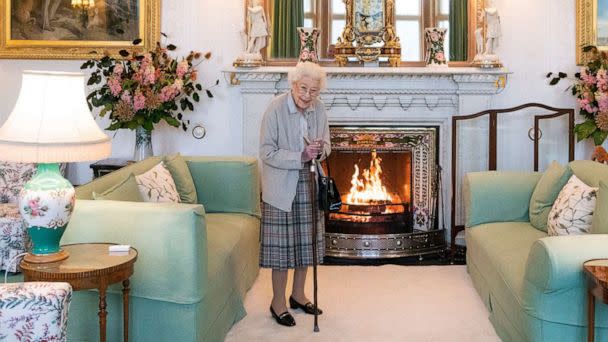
column 487, row 43
column 256, row 34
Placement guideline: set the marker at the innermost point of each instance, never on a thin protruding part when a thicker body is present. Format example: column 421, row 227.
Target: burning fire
column 369, row 189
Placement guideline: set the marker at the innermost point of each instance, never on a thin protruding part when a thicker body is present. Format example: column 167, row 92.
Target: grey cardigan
column 281, row 146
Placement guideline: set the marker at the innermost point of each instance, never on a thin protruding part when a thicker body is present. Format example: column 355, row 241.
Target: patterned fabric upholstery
column 13, row 236
column 34, row 311
column 12, row 178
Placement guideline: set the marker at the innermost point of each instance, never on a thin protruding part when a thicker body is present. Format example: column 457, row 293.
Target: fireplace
column 387, row 97
column 388, row 182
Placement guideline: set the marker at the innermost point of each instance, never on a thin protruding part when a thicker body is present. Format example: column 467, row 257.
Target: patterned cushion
column 572, row 212
column 34, row 311
column 13, row 237
column 157, row 185
column 12, row 178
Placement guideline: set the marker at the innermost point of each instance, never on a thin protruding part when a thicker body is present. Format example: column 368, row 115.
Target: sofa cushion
column 157, row 185
column 600, row 215
column 127, row 190
column 483, row 192
column 590, row 172
column 572, row 212
column 176, row 164
column 545, row 193
column 226, row 184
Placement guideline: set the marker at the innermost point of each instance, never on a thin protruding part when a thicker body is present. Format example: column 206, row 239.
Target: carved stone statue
column 493, row 33
column 256, row 34
column 258, row 27
column 487, row 36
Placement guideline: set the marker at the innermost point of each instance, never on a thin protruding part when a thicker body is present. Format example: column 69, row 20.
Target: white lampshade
column 51, row 122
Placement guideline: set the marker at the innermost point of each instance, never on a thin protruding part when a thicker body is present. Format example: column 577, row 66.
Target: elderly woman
column 294, row 132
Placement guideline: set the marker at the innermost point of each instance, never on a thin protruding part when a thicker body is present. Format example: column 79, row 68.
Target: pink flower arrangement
column 591, row 91
column 142, row 89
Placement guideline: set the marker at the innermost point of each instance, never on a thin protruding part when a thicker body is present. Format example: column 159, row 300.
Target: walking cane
column 313, row 191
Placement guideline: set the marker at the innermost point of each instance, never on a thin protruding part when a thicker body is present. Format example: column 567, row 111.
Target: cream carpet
column 375, row 303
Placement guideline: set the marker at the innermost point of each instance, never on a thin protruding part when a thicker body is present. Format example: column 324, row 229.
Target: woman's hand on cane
column 311, row 151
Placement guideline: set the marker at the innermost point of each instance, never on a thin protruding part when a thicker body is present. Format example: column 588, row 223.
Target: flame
column 369, row 189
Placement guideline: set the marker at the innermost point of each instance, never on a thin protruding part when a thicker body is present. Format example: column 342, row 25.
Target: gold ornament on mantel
column 366, row 27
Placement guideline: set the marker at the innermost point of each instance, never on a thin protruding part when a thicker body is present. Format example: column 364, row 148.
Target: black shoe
column 309, row 308
column 285, row 318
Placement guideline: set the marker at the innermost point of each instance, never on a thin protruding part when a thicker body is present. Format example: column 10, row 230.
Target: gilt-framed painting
column 76, row 29
column 591, row 26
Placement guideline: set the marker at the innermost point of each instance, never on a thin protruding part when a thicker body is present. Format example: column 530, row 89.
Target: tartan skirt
column 286, row 237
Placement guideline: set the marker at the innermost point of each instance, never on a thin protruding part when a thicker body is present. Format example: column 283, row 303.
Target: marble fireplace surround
column 360, row 96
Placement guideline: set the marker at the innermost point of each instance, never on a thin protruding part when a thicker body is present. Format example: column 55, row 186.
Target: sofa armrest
column 556, row 262
column 227, row 184
column 494, row 196
column 171, row 240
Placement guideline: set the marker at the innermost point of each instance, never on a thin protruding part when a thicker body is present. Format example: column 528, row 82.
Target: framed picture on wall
column 591, row 26
column 76, row 29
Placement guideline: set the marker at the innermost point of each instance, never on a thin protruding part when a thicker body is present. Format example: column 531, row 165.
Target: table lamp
column 50, row 124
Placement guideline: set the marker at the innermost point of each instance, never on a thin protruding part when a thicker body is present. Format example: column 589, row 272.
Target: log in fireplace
column 388, row 180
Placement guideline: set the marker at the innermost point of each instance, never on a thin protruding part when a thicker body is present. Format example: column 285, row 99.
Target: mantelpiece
column 411, row 96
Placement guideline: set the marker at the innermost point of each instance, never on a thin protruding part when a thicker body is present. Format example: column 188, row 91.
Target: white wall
column 538, row 36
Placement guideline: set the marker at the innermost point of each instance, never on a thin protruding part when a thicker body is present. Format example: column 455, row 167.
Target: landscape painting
column 76, row 29
column 49, row 20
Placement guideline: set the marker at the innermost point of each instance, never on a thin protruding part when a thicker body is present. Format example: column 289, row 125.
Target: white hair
column 309, row 69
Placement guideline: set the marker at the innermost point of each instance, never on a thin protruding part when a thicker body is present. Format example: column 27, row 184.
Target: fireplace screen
column 387, row 179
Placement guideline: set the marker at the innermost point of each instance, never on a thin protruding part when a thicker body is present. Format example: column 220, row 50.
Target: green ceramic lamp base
column 46, row 204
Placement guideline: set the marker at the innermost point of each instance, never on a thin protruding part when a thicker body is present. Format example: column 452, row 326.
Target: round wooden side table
column 597, row 275
column 90, row 266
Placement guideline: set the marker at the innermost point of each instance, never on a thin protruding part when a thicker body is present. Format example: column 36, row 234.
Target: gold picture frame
column 587, row 28
column 61, row 30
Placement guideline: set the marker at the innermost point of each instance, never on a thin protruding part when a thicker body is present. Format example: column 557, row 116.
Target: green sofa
column 532, row 284
column 195, row 263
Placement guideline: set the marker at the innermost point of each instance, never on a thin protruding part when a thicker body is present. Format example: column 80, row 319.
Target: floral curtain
column 459, row 25
column 287, row 16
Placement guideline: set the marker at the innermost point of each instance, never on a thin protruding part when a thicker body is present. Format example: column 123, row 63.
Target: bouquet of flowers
column 141, row 89
column 591, row 92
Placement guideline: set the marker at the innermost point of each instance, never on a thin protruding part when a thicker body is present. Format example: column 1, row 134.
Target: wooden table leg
column 590, row 316
column 102, row 314
column 125, row 309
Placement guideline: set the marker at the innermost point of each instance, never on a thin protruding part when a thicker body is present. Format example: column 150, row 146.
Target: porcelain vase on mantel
column 143, row 144
column 308, row 44
column 435, row 54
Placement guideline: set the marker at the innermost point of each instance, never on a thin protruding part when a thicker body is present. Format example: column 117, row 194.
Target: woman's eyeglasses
column 304, row 90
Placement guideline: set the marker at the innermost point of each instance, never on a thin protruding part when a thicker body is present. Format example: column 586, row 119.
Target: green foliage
column 142, row 89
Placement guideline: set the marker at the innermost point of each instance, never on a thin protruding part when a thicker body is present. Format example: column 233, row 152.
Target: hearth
column 387, row 177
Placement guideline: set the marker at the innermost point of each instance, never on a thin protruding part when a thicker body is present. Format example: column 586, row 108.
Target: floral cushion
column 12, row 178
column 572, row 212
column 157, row 185
column 34, row 311
column 13, row 237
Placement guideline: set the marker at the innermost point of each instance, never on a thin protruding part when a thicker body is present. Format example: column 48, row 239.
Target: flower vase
column 434, row 37
column 143, row 144
column 308, row 44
